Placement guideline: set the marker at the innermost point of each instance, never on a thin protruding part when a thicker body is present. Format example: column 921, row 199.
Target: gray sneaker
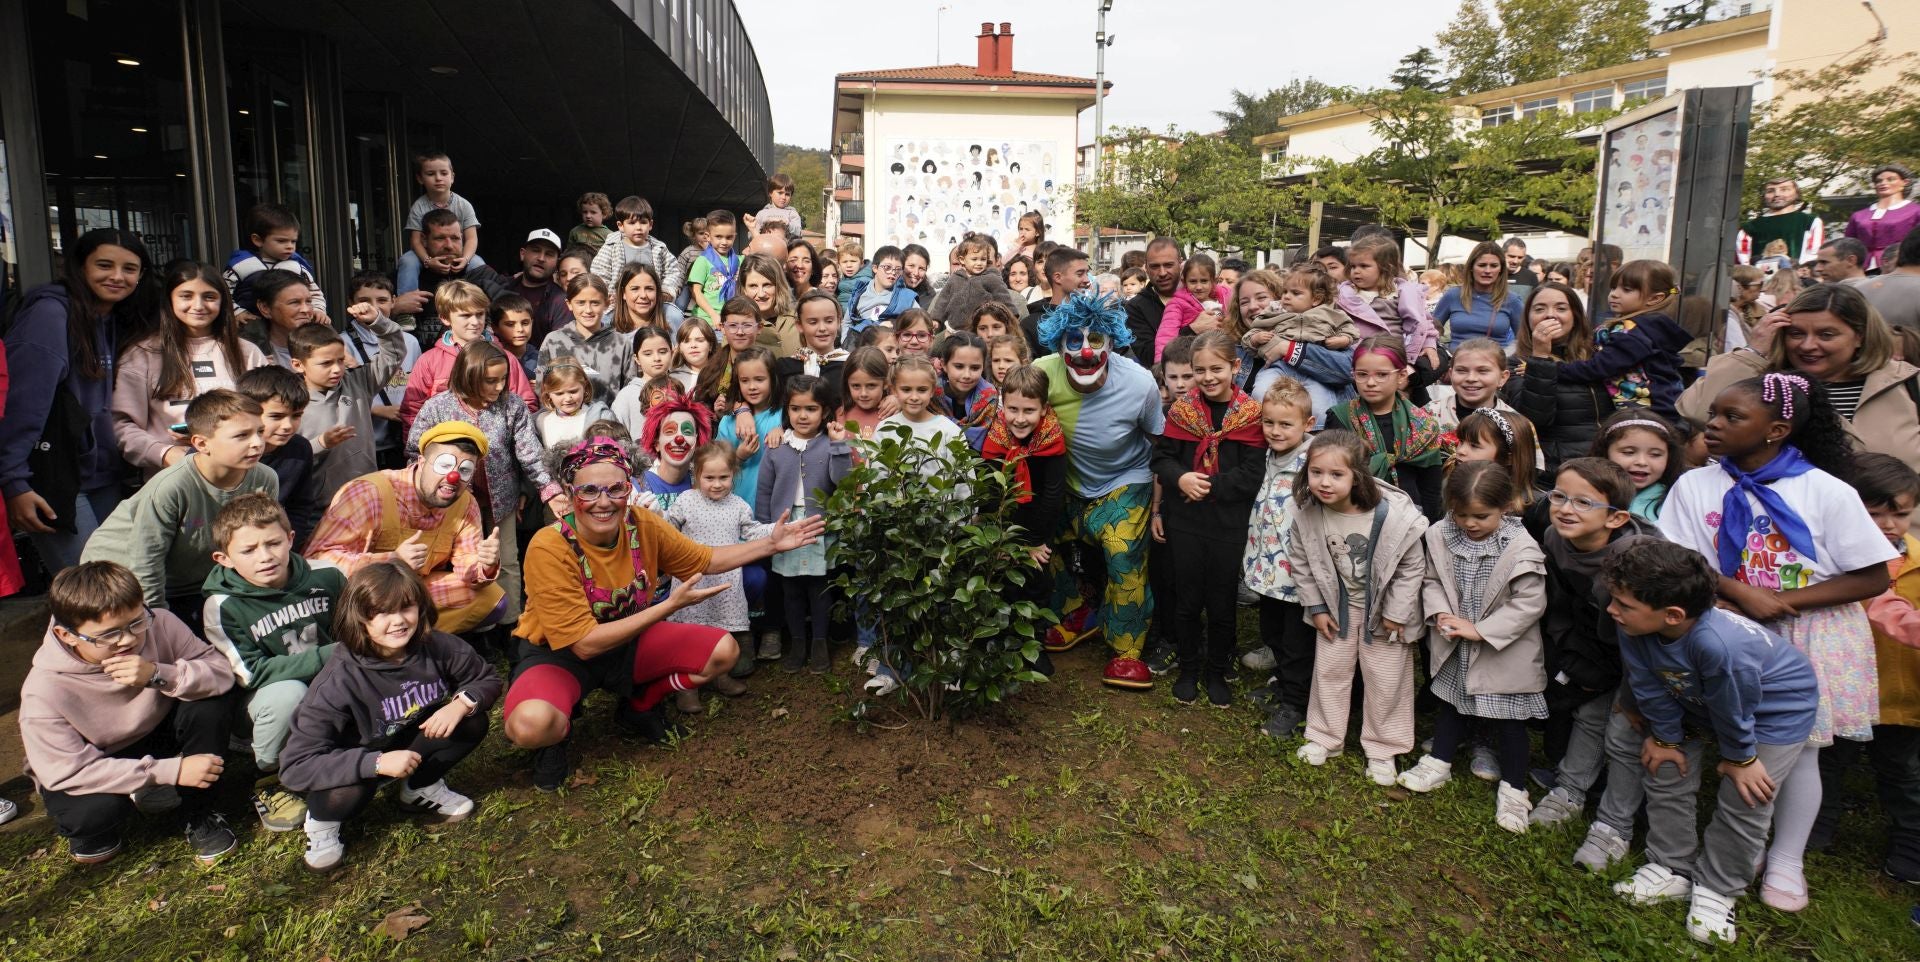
column 1603, row 848
column 770, row 649
column 1258, row 659
column 8, row 811
column 1555, row 808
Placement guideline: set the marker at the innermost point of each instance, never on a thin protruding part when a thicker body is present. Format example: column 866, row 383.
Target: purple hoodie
column 39, row 361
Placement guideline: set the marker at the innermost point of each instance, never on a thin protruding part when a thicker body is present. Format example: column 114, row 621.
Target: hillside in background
column 808, row 168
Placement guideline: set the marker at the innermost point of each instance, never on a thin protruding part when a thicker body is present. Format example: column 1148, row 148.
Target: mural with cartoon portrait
column 937, row 191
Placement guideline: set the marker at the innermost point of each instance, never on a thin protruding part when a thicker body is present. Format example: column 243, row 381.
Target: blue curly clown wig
column 1101, row 313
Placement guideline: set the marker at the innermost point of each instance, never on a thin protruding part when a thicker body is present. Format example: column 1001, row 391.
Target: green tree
column 808, row 168
column 1521, row 41
column 1418, row 70
column 1195, row 187
column 1827, row 127
column 1684, row 14
column 1252, row 115
column 1437, row 173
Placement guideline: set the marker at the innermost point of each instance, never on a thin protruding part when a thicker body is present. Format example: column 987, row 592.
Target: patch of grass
column 1084, row 825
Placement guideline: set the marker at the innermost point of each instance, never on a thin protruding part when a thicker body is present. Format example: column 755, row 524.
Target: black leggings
column 437, row 758
column 1284, row 628
column 1206, row 579
column 806, row 597
column 1450, row 729
column 190, row 728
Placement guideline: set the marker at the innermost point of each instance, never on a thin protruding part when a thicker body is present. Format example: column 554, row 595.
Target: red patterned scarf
column 999, row 444
column 1190, row 420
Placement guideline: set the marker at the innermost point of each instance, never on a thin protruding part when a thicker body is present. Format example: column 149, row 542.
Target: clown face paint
column 447, row 472
column 1085, row 352
column 678, row 437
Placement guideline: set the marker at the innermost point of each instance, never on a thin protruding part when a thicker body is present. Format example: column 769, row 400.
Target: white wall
column 1340, row 144
column 1737, row 68
column 1050, row 125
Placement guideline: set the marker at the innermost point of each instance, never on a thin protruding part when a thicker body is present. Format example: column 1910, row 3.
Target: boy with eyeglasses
column 124, row 709
column 880, row 298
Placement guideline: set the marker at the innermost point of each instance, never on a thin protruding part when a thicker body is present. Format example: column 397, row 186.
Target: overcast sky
column 1172, row 61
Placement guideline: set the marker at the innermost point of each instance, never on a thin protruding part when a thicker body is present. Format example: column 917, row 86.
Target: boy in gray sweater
column 339, row 415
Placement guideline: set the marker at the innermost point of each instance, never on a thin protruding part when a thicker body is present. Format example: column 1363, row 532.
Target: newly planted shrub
column 922, row 539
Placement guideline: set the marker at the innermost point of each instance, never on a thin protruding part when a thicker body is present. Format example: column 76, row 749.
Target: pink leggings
column 665, row 658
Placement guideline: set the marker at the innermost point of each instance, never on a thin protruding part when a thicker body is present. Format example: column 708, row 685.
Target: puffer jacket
column 1565, row 415
column 1399, row 565
column 1511, row 659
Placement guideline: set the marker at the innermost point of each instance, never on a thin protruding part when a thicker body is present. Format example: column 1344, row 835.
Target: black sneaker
column 550, row 768
column 1283, row 724
column 210, row 837
column 1266, row 698
column 1186, row 688
column 819, row 657
column 650, row 725
column 1219, row 695
column 1162, row 660
column 1547, row 778
column 93, row 851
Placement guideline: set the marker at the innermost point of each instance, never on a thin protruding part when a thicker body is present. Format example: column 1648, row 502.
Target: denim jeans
column 408, row 276
column 1327, row 375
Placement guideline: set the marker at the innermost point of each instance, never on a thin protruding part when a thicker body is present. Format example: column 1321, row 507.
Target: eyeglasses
column 912, row 337
column 1559, row 498
column 115, row 637
column 589, row 493
column 886, row 269
column 741, row 327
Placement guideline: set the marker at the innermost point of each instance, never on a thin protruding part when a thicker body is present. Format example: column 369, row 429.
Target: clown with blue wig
column 1109, row 407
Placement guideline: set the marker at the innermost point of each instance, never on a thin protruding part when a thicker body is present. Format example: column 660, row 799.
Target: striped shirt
column 1845, row 396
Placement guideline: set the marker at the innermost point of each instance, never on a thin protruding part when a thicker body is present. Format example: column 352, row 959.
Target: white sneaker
column 1710, row 917
column 8, row 811
column 1259, row 659
column 1604, row 847
column 324, row 848
column 1426, row 775
column 1382, row 772
column 1654, row 884
column 1554, row 808
column 1314, row 754
column 1510, row 809
column 1485, row 766
column 154, row 799
column 437, row 800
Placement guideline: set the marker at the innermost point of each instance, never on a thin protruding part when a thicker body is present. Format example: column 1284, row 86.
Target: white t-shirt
column 1844, row 535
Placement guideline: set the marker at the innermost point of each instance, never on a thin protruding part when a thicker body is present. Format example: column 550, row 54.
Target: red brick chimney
column 1003, row 57
column 989, row 52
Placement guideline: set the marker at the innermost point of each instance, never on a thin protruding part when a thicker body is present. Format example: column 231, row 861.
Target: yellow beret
column 452, row 430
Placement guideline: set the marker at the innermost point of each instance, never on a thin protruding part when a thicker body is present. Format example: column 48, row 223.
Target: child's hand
column 743, row 425
column 398, row 764
column 1195, row 486
column 1433, row 358
column 1396, row 632
column 441, row 723
column 1040, row 555
column 836, row 431
column 389, row 411
column 132, row 671
column 199, row 771
column 1652, row 756
column 1634, row 719
column 1159, row 530
column 889, row 406
column 1458, row 628
column 559, row 505
column 746, row 447
column 1259, row 338
column 1207, row 321
column 362, row 312
column 1758, row 603
column 1755, row 785
column 173, row 454
column 1327, row 627
column 337, row 435
column 774, row 436
column 488, row 550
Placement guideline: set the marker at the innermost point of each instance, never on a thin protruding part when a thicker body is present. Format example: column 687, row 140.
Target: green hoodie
column 274, row 634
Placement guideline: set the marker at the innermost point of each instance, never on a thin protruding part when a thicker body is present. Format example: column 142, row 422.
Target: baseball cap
column 543, row 234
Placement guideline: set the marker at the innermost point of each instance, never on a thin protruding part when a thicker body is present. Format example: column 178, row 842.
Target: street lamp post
column 1100, row 44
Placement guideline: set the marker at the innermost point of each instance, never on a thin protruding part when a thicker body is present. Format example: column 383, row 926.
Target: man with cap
column 538, row 258
column 424, row 516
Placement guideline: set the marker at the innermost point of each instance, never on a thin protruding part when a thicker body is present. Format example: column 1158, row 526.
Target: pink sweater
column 1373, row 314
column 73, row 717
column 1182, row 308
column 139, row 422
column 435, row 367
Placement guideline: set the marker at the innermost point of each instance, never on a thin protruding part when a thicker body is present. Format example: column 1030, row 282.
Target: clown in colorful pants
column 1115, row 523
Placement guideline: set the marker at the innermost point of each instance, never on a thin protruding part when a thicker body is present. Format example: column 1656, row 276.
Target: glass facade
column 268, row 116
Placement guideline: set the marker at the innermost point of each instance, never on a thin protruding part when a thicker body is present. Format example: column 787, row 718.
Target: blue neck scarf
column 1736, row 512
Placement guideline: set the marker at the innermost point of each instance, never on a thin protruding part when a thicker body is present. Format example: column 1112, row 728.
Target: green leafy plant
column 921, row 533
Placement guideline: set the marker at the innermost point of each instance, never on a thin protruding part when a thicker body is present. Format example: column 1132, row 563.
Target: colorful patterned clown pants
column 1116, row 523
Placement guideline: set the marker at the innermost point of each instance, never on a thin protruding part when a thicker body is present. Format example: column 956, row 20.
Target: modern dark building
column 170, row 118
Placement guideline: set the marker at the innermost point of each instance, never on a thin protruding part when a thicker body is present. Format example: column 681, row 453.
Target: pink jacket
column 140, row 423
column 1413, row 324
column 1182, row 308
column 435, row 367
column 73, row 717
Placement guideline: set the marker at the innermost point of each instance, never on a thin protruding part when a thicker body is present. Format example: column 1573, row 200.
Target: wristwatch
column 157, row 682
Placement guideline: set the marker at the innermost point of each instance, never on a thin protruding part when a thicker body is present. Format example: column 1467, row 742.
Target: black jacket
column 1565, row 415
column 1580, row 638
column 1143, row 319
column 355, row 706
column 1222, row 516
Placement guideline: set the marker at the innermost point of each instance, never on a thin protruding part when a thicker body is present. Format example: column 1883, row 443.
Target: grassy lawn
column 1080, row 824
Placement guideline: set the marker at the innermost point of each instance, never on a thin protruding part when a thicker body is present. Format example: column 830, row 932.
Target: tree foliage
column 1521, row 41
column 1252, row 115
column 1827, row 127
column 1195, row 187
column 1419, row 70
column 808, row 168
column 1438, row 171
column 921, row 532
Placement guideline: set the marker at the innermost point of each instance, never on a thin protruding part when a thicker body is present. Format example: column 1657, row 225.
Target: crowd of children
column 1502, row 523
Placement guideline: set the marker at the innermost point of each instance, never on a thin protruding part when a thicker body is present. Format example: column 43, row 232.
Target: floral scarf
column 611, row 604
column 975, row 409
column 1190, row 420
column 998, row 444
column 1416, row 439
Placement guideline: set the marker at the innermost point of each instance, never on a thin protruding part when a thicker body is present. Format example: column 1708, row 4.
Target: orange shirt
column 557, row 613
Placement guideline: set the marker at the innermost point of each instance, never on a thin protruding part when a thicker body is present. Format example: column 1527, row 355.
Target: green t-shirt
column 711, row 283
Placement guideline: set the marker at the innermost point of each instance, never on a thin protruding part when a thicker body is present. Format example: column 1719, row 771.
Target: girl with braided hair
column 1798, row 552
